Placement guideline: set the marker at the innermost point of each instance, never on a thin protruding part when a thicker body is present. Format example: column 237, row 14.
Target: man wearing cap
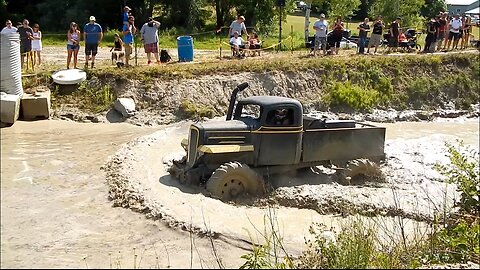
column 238, row 26
column 321, row 27
column 92, row 34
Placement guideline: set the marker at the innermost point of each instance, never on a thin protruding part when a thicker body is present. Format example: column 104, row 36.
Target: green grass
column 294, row 26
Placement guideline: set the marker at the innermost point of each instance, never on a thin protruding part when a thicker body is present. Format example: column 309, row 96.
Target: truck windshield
column 251, row 111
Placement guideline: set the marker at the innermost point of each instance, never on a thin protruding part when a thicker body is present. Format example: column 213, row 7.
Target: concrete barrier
column 36, row 105
column 9, row 108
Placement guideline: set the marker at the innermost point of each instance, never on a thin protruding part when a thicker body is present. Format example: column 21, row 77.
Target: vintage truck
column 233, row 157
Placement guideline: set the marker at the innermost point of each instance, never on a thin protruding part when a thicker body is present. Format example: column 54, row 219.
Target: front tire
column 232, row 180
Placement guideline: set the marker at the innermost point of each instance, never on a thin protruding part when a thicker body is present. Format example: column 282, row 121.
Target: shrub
column 352, row 96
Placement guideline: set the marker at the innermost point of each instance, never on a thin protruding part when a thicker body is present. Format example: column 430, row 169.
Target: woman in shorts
column 73, row 44
column 37, row 44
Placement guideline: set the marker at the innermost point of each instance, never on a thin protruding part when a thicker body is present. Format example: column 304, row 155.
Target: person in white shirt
column 321, row 28
column 237, row 43
column 9, row 28
column 455, row 26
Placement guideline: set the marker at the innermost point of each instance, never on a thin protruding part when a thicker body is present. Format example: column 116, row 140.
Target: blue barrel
column 185, row 48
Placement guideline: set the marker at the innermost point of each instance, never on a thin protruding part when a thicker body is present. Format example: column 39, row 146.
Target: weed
column 352, row 97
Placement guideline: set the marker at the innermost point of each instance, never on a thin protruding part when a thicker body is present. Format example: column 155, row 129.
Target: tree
column 433, row 8
column 342, row 8
column 408, row 10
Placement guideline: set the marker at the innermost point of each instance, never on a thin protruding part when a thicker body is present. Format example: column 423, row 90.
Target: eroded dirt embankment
column 409, row 88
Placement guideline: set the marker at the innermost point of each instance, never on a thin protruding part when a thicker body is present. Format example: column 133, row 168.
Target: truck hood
column 231, row 125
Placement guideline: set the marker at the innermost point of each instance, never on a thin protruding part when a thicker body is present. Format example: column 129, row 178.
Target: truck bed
column 341, row 140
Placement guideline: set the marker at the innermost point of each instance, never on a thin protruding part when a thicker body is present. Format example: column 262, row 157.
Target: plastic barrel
column 10, row 65
column 185, row 48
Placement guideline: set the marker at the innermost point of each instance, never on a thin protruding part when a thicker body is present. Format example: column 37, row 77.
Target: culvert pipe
column 10, row 65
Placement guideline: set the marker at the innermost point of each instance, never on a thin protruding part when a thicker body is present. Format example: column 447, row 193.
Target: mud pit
column 414, row 191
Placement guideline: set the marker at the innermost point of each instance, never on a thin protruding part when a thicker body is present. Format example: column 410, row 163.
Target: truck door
column 279, row 138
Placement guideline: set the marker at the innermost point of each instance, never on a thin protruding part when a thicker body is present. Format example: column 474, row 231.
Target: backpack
column 164, row 56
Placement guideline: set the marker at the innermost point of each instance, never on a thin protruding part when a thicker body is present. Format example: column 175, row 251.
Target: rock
column 125, row 106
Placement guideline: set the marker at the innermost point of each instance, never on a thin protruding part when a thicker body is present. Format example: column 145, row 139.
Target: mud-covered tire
column 232, row 180
column 363, row 169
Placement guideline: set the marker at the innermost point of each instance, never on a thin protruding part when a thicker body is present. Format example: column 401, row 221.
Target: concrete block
column 9, row 108
column 36, row 105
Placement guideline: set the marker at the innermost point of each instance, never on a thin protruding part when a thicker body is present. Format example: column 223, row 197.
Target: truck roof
column 270, row 100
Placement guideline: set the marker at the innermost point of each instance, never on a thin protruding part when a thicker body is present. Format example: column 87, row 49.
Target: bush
column 352, row 96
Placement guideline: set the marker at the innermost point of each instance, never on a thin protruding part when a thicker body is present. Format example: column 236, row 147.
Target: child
column 117, row 50
column 253, row 44
column 237, row 43
column 37, row 44
column 126, row 14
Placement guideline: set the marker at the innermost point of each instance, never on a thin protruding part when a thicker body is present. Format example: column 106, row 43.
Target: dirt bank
column 380, row 89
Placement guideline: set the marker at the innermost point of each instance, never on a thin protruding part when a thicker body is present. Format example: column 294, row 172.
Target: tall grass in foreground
column 455, row 239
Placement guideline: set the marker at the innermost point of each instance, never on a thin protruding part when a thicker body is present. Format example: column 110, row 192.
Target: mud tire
column 232, row 180
column 360, row 170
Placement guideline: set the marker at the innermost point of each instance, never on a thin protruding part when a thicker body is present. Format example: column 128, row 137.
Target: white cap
column 92, row 18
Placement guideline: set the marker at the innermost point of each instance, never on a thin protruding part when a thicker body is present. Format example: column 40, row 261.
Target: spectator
column 238, row 26
column 442, row 30
column 337, row 33
column 321, row 27
column 117, row 50
column 363, row 30
column 431, row 36
column 394, row 33
column 236, row 42
column 455, row 25
column 93, row 35
column 253, row 43
column 129, row 30
column 37, row 44
column 73, row 44
column 9, row 28
column 26, row 36
column 126, row 14
column 467, row 28
column 117, row 43
column 149, row 32
column 376, row 36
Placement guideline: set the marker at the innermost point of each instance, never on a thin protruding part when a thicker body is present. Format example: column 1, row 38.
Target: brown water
column 55, row 212
column 54, row 207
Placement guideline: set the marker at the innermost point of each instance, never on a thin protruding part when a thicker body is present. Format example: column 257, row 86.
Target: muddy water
column 55, row 211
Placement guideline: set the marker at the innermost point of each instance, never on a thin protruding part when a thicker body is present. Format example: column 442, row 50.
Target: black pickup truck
column 267, row 135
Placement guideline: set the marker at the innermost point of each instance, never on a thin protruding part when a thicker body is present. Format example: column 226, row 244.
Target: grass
column 209, row 40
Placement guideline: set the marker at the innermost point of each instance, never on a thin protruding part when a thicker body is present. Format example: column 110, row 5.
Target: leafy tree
column 342, row 8
column 432, row 8
column 409, row 10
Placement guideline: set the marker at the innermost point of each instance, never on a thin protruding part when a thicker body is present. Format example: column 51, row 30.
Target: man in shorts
column 455, row 26
column 26, row 36
column 149, row 32
column 377, row 33
column 321, row 27
column 92, row 34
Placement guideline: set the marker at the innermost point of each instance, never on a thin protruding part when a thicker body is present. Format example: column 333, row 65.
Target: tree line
column 205, row 15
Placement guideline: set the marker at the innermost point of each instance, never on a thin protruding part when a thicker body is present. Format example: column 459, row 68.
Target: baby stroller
column 410, row 44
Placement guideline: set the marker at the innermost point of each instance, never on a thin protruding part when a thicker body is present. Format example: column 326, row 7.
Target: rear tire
column 232, row 180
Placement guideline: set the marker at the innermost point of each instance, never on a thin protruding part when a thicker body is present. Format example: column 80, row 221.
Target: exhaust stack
column 233, row 98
